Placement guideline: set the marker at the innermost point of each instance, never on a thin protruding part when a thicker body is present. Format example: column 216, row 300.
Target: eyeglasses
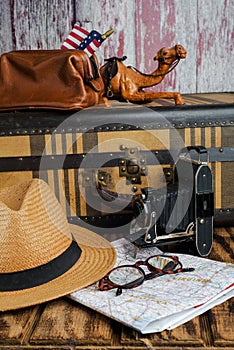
column 132, row 276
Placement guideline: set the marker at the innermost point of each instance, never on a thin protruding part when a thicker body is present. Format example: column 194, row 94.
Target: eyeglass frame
column 105, row 283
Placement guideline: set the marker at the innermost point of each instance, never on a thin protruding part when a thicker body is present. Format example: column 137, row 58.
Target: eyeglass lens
column 163, row 263
column 125, row 275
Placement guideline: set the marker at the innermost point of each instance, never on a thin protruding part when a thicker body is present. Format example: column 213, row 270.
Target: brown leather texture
column 51, row 79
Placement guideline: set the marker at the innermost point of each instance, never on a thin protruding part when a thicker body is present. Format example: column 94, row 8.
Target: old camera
column 181, row 211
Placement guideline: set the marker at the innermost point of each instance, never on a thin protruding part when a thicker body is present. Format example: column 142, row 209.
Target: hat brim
column 97, row 258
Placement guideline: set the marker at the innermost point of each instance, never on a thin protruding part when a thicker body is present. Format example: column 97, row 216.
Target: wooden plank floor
column 64, row 324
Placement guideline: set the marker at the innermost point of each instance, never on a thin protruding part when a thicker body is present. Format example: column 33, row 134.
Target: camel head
column 169, row 55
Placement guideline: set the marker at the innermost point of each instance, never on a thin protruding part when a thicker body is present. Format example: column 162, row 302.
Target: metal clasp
column 132, row 166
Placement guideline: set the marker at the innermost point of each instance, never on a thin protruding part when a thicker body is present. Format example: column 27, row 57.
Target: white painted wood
column 186, row 34
column 6, row 35
column 104, row 15
column 215, row 46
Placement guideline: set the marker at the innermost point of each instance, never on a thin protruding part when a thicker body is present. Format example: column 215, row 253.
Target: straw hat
column 42, row 257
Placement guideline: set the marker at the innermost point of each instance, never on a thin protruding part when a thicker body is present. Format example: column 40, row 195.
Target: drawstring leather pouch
column 50, row 79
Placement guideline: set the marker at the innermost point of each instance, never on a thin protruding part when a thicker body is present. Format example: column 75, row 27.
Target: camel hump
column 115, row 59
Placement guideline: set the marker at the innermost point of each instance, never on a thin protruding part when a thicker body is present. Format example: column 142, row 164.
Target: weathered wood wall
column 203, row 27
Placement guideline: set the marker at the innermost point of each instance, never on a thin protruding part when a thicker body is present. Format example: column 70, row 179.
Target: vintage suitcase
column 98, row 158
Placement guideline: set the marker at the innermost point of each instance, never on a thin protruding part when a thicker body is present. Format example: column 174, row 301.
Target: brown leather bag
column 57, row 79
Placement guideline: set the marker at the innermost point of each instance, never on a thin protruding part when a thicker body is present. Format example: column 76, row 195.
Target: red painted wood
column 167, row 23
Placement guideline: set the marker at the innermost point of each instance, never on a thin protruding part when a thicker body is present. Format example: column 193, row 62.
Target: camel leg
column 149, row 96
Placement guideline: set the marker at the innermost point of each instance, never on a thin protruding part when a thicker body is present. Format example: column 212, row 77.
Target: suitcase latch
column 99, row 177
column 132, row 166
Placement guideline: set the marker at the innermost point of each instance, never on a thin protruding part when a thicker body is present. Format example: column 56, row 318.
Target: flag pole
column 108, row 33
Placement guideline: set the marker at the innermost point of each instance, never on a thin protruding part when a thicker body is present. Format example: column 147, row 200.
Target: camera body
column 181, row 211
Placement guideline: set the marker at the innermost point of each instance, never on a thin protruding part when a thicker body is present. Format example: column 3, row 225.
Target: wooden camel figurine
column 127, row 83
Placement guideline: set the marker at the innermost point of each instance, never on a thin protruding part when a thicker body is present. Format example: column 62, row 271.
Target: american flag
column 81, row 39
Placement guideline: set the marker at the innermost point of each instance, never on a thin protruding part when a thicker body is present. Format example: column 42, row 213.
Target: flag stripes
column 81, row 39
column 76, row 36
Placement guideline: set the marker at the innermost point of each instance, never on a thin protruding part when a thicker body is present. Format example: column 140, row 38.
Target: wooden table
column 64, row 324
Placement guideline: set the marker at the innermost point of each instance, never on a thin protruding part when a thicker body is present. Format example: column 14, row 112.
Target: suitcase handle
column 201, row 150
